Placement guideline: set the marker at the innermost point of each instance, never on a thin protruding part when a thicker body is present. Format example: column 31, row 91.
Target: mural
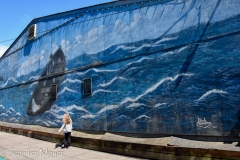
column 42, row 98
column 169, row 67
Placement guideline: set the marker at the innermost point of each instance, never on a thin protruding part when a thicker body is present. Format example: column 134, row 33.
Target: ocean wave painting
column 170, row 67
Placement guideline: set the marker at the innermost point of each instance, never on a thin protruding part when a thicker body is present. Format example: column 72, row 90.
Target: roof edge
column 87, row 8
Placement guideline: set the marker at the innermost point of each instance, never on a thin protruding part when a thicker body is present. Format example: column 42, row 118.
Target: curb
column 140, row 150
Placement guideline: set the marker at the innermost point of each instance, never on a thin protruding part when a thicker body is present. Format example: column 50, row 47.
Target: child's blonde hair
column 66, row 119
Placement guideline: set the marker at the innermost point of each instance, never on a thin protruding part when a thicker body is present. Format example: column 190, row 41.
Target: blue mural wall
column 157, row 67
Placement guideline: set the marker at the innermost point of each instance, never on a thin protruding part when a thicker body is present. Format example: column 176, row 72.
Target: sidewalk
column 19, row 147
column 163, row 148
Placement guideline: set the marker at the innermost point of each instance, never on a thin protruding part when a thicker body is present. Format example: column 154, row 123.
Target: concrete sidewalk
column 19, row 147
column 163, row 148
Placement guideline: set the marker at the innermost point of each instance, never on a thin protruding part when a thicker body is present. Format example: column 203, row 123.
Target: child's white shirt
column 66, row 128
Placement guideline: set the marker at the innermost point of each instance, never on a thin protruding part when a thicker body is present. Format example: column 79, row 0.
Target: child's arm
column 61, row 127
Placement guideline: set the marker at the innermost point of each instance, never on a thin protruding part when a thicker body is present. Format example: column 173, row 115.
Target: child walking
column 67, row 129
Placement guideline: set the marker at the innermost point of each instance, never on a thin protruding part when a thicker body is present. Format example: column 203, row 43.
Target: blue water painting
column 170, row 67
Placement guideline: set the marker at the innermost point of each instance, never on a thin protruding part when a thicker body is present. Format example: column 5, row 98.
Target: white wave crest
column 66, row 89
column 141, row 47
column 138, row 61
column 135, row 105
column 110, row 82
column 71, row 81
column 95, row 70
column 166, row 39
column 1, row 106
column 33, row 77
column 168, row 53
column 32, row 84
column 133, row 68
column 88, row 116
column 45, row 123
column 56, row 109
column 173, row 52
column 181, row 49
column 121, row 47
column 106, row 108
column 3, row 114
column 13, row 120
column 11, row 111
column 110, row 107
column 142, row 116
column 69, row 108
column 211, row 92
column 6, row 83
column 56, row 115
column 159, row 104
column 103, row 90
column 51, row 122
column 151, row 89
column 112, row 70
column 18, row 114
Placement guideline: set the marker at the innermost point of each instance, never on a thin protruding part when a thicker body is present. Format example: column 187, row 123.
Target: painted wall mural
column 157, row 67
column 42, row 98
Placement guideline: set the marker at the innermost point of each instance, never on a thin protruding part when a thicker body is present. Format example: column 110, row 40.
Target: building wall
column 157, row 67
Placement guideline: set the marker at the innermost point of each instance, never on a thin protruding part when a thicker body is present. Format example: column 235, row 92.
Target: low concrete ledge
column 150, row 148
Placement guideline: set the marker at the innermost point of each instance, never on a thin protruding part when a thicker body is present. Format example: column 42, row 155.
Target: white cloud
column 65, row 45
column 29, row 65
column 3, row 49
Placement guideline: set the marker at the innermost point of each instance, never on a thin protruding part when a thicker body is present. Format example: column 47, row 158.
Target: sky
column 15, row 15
